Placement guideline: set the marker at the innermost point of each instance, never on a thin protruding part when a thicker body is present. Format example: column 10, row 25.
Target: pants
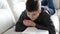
column 50, row 4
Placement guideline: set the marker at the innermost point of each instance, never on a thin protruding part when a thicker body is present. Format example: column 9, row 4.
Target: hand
column 29, row 23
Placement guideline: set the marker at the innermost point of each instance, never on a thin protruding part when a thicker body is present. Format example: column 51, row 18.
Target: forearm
column 51, row 29
column 41, row 27
column 20, row 27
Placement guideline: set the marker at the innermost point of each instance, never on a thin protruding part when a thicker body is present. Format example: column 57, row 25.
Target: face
column 33, row 15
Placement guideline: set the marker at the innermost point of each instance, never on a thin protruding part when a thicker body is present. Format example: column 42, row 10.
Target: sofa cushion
column 33, row 30
column 20, row 8
column 30, row 30
column 6, row 20
column 58, row 11
column 59, row 17
column 55, row 20
column 12, row 31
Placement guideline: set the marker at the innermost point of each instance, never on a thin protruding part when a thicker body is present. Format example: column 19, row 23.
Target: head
column 32, row 7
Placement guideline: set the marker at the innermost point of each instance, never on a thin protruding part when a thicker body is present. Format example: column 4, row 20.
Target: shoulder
column 45, row 15
column 23, row 13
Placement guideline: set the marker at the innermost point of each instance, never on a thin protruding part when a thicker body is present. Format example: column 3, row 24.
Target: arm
column 41, row 27
column 19, row 25
column 49, row 24
column 33, row 24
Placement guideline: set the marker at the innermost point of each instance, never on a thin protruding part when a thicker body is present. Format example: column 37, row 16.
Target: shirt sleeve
column 41, row 27
column 49, row 24
column 19, row 25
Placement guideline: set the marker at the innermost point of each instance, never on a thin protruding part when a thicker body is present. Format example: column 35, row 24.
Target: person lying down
column 35, row 16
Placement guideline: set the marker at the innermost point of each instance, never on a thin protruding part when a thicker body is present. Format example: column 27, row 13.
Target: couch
column 9, row 18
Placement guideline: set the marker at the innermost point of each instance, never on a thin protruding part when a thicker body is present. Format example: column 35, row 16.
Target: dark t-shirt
column 43, row 22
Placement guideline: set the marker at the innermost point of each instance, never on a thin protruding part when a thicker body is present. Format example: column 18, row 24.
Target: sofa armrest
column 55, row 20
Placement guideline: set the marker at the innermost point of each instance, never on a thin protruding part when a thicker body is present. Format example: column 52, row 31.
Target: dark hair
column 32, row 5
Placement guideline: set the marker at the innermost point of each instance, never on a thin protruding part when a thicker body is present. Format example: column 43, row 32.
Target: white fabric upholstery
column 55, row 20
column 12, row 31
column 56, row 4
column 30, row 30
column 6, row 20
column 58, row 13
column 59, row 18
column 18, row 8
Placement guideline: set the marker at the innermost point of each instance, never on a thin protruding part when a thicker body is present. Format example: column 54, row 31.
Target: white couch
column 7, row 20
column 6, row 23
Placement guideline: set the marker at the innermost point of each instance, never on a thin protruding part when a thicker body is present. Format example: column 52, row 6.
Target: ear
column 39, row 10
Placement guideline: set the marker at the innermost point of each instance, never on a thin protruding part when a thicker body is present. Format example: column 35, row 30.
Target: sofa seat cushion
column 6, row 20
column 29, row 30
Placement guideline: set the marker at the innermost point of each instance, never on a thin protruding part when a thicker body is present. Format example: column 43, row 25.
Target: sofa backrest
column 6, row 20
column 56, row 4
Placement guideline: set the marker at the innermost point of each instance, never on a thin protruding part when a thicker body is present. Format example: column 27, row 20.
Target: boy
column 34, row 16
